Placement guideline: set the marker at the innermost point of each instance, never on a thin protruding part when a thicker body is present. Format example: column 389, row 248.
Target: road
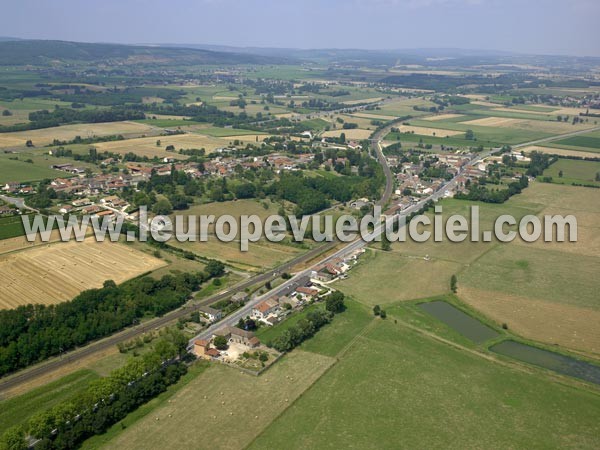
column 18, row 202
column 130, row 333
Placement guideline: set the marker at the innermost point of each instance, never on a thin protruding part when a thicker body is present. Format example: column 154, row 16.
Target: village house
column 308, row 292
column 66, row 209
column 265, row 308
column 7, row 210
column 210, row 313
column 239, row 297
column 236, row 336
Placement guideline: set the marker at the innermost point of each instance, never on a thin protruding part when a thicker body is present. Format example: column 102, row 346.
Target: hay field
column 544, row 291
column 426, row 131
column 552, row 126
column 57, row 272
column 556, row 151
column 397, row 388
column 396, row 277
column 224, row 408
column 493, row 122
column 364, row 100
column 147, row 146
column 68, row 132
column 356, row 133
column 443, row 117
column 373, row 116
column 21, row 243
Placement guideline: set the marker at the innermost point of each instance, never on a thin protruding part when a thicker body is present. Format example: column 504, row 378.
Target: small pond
column 456, row 319
column 549, row 360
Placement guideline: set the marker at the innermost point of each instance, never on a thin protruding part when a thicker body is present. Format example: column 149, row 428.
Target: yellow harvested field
column 561, row 112
column 443, row 117
column 425, row 131
column 147, row 146
column 21, row 242
column 364, row 100
column 246, row 138
column 493, row 122
column 223, row 399
column 356, row 133
column 574, row 327
column 485, row 103
column 68, row 132
column 149, row 100
column 553, row 127
column 373, row 116
column 556, row 151
column 568, row 111
column 57, row 272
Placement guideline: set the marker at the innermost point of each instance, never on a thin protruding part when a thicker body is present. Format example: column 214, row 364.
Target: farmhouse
column 264, row 308
column 7, row 210
column 237, row 336
column 201, row 346
column 308, row 291
column 239, row 297
column 211, row 314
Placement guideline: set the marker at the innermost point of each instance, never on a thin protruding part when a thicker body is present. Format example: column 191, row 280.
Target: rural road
column 31, row 373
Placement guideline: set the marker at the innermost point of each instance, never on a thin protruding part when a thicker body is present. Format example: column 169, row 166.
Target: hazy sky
column 525, row 26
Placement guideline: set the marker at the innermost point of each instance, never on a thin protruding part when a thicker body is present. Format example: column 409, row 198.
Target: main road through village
column 57, row 363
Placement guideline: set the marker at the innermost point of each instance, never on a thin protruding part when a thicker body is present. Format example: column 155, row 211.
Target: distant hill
column 41, row 52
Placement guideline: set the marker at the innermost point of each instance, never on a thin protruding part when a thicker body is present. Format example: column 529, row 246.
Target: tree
column 469, row 135
column 385, row 243
column 335, row 302
column 162, row 207
column 560, row 174
column 382, row 314
column 158, row 142
column 376, row 310
column 6, row 113
column 214, row 268
column 220, row 342
column 453, row 281
column 29, row 143
column 343, row 138
column 597, row 176
column 13, row 439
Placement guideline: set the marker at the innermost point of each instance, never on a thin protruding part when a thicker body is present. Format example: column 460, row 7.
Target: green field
column 581, row 141
column 398, row 388
column 574, row 171
column 11, row 226
column 23, row 172
column 166, row 123
column 18, row 409
column 330, row 339
column 225, row 132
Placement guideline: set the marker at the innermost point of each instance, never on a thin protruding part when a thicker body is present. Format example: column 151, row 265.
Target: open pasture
column 557, row 151
column 224, row 408
column 356, row 133
column 413, row 277
column 12, row 170
column 57, row 272
column 147, row 146
column 399, row 388
column 492, row 121
column 426, row 131
column 443, row 117
column 569, row 171
column 45, row 136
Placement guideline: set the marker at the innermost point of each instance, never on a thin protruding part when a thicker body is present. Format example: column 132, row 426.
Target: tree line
column 105, row 401
column 34, row 332
column 63, row 116
column 306, row 328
